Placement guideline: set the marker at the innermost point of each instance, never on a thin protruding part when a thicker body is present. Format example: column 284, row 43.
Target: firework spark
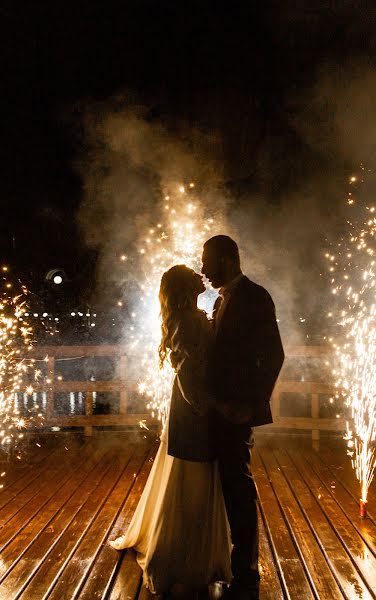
column 15, row 343
column 353, row 278
column 176, row 239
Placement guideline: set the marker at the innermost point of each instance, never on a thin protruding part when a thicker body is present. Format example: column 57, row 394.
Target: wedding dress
column 180, row 529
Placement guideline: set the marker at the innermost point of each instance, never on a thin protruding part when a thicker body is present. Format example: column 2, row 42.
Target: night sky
column 241, row 70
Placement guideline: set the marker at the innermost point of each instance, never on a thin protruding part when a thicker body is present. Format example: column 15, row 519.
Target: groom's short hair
column 223, row 246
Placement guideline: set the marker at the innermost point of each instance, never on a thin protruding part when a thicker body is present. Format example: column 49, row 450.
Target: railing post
column 123, row 392
column 88, row 429
column 315, row 414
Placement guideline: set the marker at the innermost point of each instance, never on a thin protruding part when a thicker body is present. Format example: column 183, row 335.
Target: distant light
column 73, row 314
column 88, row 314
column 45, row 314
column 36, row 315
column 58, row 279
column 92, row 324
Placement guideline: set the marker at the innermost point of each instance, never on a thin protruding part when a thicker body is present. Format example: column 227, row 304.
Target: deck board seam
column 34, row 572
column 59, row 469
column 90, row 568
column 79, row 541
column 292, row 535
column 81, row 537
column 354, row 524
column 349, row 491
column 149, row 453
column 46, row 463
column 271, row 545
column 336, row 533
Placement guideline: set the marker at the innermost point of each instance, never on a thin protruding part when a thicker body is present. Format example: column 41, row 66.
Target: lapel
column 226, row 315
column 216, row 306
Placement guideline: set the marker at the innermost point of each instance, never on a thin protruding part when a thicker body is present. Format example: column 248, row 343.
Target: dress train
column 180, row 529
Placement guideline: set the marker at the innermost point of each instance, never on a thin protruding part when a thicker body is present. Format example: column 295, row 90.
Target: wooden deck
column 70, row 494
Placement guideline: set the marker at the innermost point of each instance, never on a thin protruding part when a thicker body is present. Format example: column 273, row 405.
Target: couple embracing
column 196, row 521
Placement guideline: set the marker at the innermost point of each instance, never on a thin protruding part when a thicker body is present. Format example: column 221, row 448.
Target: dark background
column 240, row 70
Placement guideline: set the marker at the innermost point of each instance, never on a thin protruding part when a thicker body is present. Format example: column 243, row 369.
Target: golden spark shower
column 177, row 238
column 353, row 278
column 15, row 344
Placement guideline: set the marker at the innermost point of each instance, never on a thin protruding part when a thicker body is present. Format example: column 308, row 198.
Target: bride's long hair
column 176, row 294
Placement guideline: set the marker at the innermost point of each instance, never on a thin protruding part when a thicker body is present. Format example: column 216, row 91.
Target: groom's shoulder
column 251, row 287
column 255, row 292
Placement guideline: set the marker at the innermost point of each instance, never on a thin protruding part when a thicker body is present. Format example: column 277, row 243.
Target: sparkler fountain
column 353, row 272
column 177, row 239
column 15, row 342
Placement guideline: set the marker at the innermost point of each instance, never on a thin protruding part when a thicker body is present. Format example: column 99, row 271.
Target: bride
column 179, row 529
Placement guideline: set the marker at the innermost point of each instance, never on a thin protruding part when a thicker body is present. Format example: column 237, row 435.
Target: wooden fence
column 52, row 385
column 314, row 422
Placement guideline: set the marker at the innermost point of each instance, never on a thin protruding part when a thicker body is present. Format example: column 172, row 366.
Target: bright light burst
column 176, row 239
column 15, row 342
column 353, row 278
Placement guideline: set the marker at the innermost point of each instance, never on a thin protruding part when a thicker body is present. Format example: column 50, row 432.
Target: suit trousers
column 233, row 445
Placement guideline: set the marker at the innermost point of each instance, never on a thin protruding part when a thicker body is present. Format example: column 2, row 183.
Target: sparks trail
column 353, row 279
column 16, row 338
column 176, row 239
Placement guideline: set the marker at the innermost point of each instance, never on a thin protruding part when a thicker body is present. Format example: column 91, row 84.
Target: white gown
column 180, row 529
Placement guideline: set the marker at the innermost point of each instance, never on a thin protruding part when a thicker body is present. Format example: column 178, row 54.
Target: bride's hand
column 234, row 414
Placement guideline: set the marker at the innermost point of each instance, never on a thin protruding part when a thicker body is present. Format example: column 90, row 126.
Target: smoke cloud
column 131, row 160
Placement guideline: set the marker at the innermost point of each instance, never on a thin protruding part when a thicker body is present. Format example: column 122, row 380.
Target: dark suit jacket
column 248, row 353
column 189, row 430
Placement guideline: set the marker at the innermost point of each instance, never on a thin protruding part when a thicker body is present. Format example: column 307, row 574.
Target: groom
column 247, row 359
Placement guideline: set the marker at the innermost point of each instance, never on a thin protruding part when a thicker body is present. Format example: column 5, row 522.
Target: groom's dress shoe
column 239, row 592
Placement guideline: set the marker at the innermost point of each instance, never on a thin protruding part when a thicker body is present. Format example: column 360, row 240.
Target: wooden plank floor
column 69, row 494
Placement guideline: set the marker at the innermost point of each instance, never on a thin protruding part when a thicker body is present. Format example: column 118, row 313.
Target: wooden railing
column 315, row 423
column 51, row 385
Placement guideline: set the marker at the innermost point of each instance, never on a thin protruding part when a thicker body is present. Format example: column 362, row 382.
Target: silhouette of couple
column 196, row 521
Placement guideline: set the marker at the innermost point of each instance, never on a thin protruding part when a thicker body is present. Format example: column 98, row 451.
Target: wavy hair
column 176, row 294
